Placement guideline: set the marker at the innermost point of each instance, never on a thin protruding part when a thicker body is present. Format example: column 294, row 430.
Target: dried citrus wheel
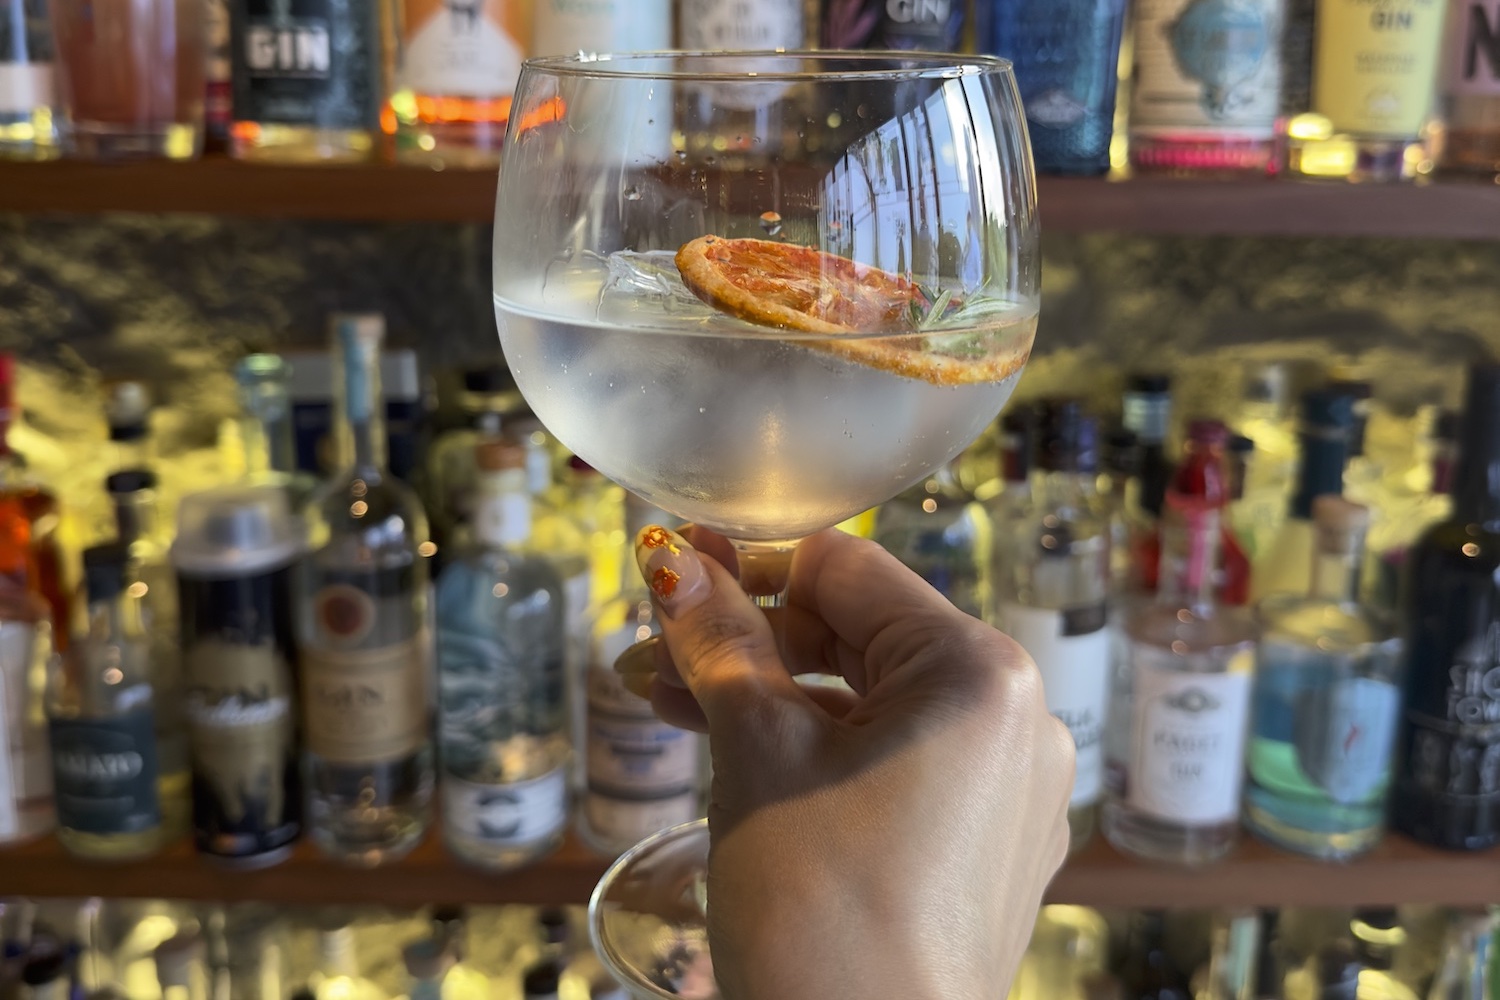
column 871, row 316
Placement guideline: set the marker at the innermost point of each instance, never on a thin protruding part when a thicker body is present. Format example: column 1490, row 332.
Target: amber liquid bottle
column 29, row 514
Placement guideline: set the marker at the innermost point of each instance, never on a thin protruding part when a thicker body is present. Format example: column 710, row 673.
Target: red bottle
column 1203, row 475
column 30, row 560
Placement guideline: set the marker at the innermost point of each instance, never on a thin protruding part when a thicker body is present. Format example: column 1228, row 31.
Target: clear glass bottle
column 1327, row 420
column 268, row 453
column 181, row 968
column 501, row 644
column 939, row 532
column 101, row 715
column 1207, row 86
column 25, row 759
column 488, row 399
column 338, row 975
column 1053, row 596
column 27, row 127
column 364, row 641
column 1066, row 57
column 1146, row 412
column 1471, row 90
column 1447, row 788
column 1325, row 700
column 308, row 87
column 1374, row 77
column 1185, row 691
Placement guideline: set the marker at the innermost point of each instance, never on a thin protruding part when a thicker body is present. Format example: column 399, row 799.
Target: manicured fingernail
column 672, row 568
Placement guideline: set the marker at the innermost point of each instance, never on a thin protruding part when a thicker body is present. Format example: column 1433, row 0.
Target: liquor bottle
column 1121, row 490
column 1147, row 413
column 1327, row 418
column 1401, row 532
column 133, row 494
column 426, row 964
column 1204, row 473
column 925, row 25
column 640, row 774
column 27, row 131
column 501, row 643
column 1186, row 696
column 30, row 557
column 563, row 28
column 101, row 718
column 308, row 81
column 218, row 96
column 362, row 632
column 542, row 981
column 234, row 557
column 127, row 411
column 1468, row 971
column 1069, row 946
column 267, row 447
column 1066, row 57
column 1234, row 943
column 1373, row 82
column 181, row 967
column 1471, row 89
column 940, row 532
column 1149, row 972
column 739, row 26
column 488, row 399
column 1207, row 86
column 25, row 762
column 1053, row 593
column 338, row 975
column 1018, row 433
column 311, row 392
column 1447, row 789
column 456, row 72
column 1325, row 701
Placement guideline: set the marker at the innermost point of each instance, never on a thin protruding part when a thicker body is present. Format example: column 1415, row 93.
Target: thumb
column 720, row 641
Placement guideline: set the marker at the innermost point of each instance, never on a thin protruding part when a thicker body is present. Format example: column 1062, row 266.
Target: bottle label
column 631, row 753
column 104, row 772
column 741, row 25
column 928, row 25
column 626, row 821
column 1066, row 58
column 465, row 48
column 25, row 58
column 316, row 63
column 239, row 709
column 1188, row 749
column 363, row 706
column 1209, row 65
column 1474, row 48
column 507, row 815
column 1071, row 649
column 1458, row 756
column 564, row 27
column 1376, row 65
column 1344, row 734
column 10, row 815
column 23, row 727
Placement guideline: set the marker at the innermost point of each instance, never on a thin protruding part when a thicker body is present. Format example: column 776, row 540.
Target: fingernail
column 672, row 568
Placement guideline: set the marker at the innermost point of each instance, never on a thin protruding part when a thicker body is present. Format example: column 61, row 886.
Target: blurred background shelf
column 378, row 193
column 1399, row 871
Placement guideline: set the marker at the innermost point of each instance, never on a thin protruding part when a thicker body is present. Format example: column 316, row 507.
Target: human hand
column 892, row 841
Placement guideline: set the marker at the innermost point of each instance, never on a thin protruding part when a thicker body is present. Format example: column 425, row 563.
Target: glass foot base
column 647, row 918
column 105, row 141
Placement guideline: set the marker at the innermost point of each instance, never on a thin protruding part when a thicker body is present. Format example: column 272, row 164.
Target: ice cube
column 645, row 282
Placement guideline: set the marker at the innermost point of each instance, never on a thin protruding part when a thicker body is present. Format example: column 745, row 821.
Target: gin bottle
column 1053, row 592
column 1471, row 90
column 1447, row 789
column 101, row 716
column 502, row 723
column 940, row 532
column 363, row 637
column 1325, row 701
column 1184, row 699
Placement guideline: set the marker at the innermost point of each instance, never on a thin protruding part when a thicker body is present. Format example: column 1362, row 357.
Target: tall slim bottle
column 1066, row 55
column 362, row 632
column 1447, row 790
column 101, row 716
column 1471, row 89
column 1207, row 86
column 267, row 444
column 25, row 760
column 1053, row 596
column 1186, row 695
column 1374, row 78
column 27, row 127
column 30, row 557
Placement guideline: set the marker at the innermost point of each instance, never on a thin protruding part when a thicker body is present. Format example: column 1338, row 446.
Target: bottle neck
column 1324, row 453
column 1057, row 488
column 1336, row 568
column 266, row 431
column 1476, row 487
column 361, row 420
column 502, row 515
column 135, row 515
column 1189, row 556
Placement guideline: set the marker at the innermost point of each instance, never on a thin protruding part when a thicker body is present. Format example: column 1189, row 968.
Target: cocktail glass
column 765, row 423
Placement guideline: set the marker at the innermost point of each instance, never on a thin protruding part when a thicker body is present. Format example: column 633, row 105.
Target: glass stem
column 764, row 568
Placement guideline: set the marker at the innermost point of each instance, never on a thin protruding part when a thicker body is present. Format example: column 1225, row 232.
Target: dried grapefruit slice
column 871, row 316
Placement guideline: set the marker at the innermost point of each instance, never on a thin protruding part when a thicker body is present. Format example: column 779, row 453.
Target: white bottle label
column 1474, row 48
column 507, row 815
column 10, row 818
column 1071, row 649
column 742, row 25
column 566, row 27
column 1213, row 65
column 471, row 49
column 1344, row 733
column 1188, row 750
column 626, row 821
column 24, row 87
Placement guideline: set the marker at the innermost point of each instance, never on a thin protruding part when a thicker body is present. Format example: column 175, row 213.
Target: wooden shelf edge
column 1398, row 871
column 384, row 193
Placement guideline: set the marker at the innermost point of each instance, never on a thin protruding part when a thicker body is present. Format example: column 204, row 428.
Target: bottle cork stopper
column 499, row 455
column 1333, row 513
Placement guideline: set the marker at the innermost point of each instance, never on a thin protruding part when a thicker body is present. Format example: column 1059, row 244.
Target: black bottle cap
column 1446, row 426
column 489, row 378
column 1069, row 438
column 541, row 980
column 1154, row 383
column 1327, row 408
column 104, row 570
column 40, row 970
column 553, row 923
column 131, row 481
column 1241, row 445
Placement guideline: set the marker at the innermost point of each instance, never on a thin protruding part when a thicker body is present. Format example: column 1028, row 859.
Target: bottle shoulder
column 1330, row 626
